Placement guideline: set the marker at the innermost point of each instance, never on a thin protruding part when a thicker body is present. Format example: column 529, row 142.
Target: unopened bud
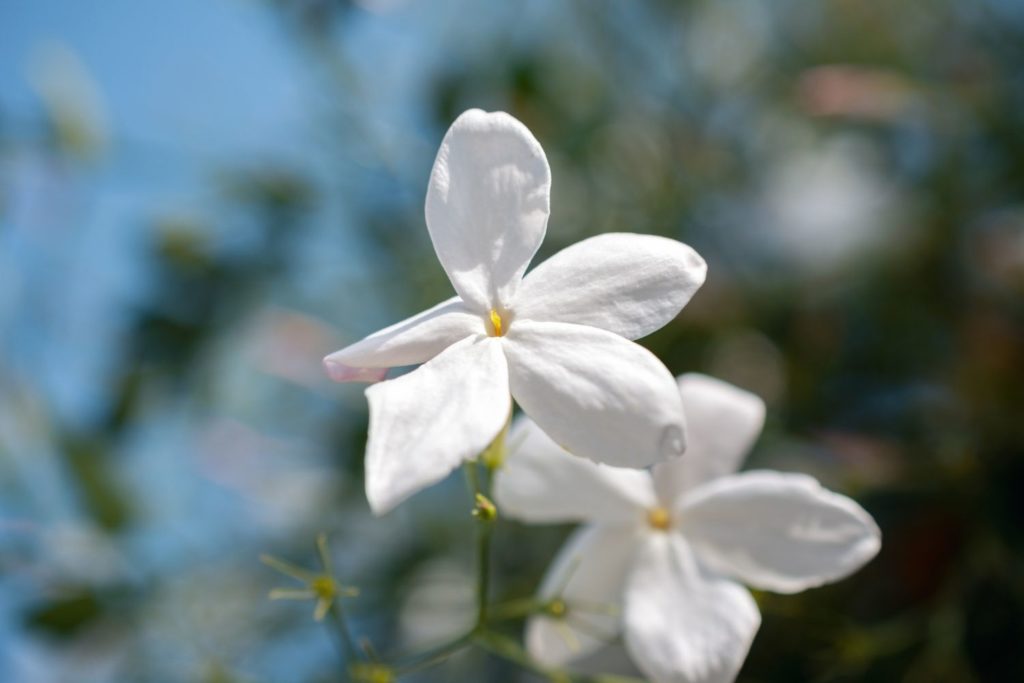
column 484, row 510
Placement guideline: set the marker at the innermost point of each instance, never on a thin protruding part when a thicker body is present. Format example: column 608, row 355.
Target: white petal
column 723, row 422
column 628, row 284
column 340, row 372
column 684, row 624
column 588, row 575
column 412, row 341
column 542, row 482
column 487, row 205
column 596, row 394
column 778, row 532
column 425, row 423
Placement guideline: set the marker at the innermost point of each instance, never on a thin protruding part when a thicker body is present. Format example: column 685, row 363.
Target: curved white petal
column 684, row 624
column 409, row 342
column 596, row 394
column 423, row 424
column 542, row 482
column 624, row 283
column 340, row 372
column 588, row 575
column 778, row 532
column 487, row 205
column 723, row 422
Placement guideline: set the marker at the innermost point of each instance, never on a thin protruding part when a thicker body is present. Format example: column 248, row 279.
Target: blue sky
column 174, row 76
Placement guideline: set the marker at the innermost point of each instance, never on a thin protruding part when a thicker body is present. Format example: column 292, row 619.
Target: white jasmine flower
column 663, row 551
column 556, row 340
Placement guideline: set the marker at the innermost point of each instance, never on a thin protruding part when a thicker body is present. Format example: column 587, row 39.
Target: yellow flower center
column 659, row 518
column 556, row 608
column 497, row 325
column 324, row 587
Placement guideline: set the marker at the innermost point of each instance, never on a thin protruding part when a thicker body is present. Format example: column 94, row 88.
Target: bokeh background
column 199, row 199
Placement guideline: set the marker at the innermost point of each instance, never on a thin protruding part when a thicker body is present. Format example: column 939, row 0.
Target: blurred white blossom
column 440, row 605
column 825, row 204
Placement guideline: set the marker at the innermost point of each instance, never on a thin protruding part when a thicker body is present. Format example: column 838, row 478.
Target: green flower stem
column 436, row 655
column 484, row 564
column 514, row 609
column 481, row 635
column 472, row 478
column 333, row 595
column 479, row 490
column 344, row 634
column 509, row 650
column 485, row 525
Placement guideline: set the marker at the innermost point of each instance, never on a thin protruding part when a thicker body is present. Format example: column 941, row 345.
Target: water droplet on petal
column 672, row 443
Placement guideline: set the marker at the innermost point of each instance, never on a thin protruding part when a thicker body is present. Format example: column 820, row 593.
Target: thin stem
column 289, row 569
column 435, row 655
column 484, row 565
column 483, row 545
column 338, row 619
column 513, row 609
column 472, row 479
column 509, row 650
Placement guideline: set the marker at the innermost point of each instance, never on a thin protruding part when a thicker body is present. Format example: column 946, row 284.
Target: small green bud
column 484, row 510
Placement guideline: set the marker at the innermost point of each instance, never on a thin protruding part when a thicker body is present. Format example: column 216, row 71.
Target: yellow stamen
column 556, row 608
column 496, row 323
column 324, row 587
column 659, row 518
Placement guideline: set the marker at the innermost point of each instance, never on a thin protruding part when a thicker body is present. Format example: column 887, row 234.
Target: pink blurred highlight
column 844, row 90
column 340, row 372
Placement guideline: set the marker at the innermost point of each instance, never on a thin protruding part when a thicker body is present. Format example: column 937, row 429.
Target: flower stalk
column 485, row 513
column 365, row 667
